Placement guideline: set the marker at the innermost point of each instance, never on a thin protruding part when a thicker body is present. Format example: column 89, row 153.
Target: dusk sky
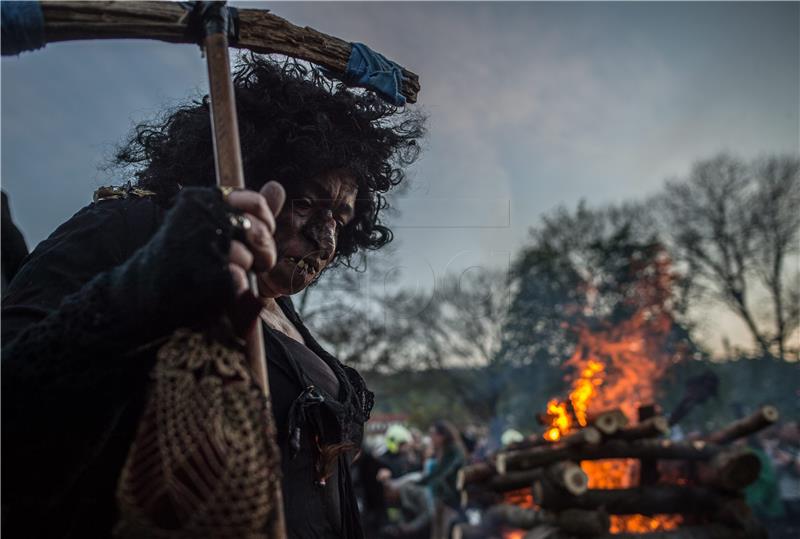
column 531, row 105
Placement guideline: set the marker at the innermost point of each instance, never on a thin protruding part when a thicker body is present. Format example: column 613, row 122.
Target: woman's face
column 437, row 439
column 307, row 231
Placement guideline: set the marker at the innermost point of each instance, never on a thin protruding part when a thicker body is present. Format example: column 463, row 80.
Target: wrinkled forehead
column 339, row 186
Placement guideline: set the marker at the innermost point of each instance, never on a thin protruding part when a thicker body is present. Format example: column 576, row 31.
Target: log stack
column 699, row 480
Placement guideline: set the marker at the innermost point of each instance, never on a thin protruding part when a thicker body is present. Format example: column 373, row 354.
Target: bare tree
column 735, row 226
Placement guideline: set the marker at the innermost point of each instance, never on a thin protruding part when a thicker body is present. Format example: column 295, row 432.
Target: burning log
column 514, row 516
column 648, row 469
column 546, row 531
column 612, row 449
column 584, row 436
column 730, row 470
column 649, row 428
column 570, row 521
column 483, row 471
column 580, row 522
column 566, row 475
column 763, row 417
column 609, row 421
column 587, row 435
column 650, row 500
column 710, row 531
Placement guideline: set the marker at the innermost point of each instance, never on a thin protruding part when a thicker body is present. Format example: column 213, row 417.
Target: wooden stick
column 761, row 418
column 586, row 435
column 608, row 421
column 228, row 162
column 566, row 475
column 514, row 516
column 578, row 522
column 611, row 449
column 650, row 500
column 483, row 471
column 571, row 521
column 649, row 428
column 733, row 469
column 709, row 531
column 648, row 468
column 259, row 31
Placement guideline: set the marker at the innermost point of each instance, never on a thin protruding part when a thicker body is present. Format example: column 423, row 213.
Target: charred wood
column 654, row 427
column 649, row 500
column 761, row 418
column 583, row 523
column 609, row 421
column 547, row 531
column 710, row 531
column 648, row 468
column 570, row 521
column 733, row 469
column 567, row 476
column 612, row 449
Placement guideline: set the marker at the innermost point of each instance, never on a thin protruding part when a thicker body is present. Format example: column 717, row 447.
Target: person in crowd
column 450, row 456
column 786, row 457
column 763, row 495
column 415, row 509
column 370, row 491
column 400, row 457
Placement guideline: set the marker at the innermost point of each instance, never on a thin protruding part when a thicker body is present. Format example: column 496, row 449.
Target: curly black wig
column 295, row 124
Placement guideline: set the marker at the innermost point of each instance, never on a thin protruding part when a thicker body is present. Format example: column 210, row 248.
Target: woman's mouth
column 304, row 267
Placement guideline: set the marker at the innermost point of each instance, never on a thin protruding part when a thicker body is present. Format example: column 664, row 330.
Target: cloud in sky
column 531, row 105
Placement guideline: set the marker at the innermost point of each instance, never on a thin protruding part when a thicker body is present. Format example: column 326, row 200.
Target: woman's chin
column 285, row 281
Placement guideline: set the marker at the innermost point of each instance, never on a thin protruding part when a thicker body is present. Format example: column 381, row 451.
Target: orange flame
column 585, row 387
column 616, row 367
column 560, row 420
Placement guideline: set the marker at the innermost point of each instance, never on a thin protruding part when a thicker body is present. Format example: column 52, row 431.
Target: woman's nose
column 323, row 233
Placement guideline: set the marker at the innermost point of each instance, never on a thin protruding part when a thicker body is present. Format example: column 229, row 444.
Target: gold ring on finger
column 226, row 191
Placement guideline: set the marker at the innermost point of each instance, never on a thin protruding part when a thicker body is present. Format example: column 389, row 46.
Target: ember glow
column 616, row 367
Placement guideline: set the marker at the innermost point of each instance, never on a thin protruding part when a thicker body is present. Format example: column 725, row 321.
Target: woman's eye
column 302, row 204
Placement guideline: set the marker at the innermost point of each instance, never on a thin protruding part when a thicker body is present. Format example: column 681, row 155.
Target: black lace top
column 82, row 321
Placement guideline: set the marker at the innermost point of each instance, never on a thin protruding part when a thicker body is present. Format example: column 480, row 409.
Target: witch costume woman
column 124, row 412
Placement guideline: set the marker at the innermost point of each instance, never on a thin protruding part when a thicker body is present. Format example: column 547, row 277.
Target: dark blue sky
column 531, row 105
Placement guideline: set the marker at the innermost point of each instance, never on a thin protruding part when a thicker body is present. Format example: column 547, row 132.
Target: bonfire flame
column 617, row 367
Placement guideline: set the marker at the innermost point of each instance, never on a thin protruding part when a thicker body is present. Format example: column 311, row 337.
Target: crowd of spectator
column 406, row 482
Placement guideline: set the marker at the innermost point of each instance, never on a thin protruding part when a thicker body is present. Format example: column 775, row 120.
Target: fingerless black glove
column 70, row 375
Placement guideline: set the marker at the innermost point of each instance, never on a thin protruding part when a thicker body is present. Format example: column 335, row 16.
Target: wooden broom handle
column 228, row 161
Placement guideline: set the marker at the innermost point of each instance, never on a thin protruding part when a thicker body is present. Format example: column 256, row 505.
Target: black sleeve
column 80, row 308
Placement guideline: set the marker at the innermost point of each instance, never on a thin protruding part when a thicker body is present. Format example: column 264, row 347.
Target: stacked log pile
column 700, row 480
